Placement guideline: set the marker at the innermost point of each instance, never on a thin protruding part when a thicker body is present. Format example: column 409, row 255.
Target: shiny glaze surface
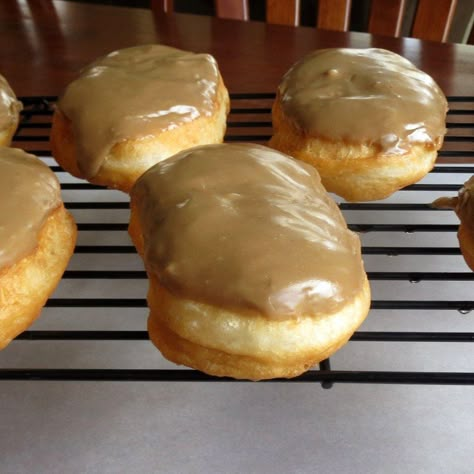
column 370, row 96
column 9, row 106
column 134, row 93
column 246, row 227
column 29, row 191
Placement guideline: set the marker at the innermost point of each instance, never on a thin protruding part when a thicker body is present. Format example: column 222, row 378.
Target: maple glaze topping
column 134, row 93
column 370, row 96
column 243, row 226
column 9, row 106
column 463, row 203
column 29, row 191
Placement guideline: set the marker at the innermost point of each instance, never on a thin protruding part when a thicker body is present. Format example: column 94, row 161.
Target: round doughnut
column 37, row 239
column 10, row 109
column 135, row 107
column 367, row 119
column 253, row 272
column 463, row 205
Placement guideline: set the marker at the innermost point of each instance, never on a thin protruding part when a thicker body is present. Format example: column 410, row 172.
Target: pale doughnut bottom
column 129, row 159
column 26, row 285
column 466, row 243
column 247, row 345
column 356, row 172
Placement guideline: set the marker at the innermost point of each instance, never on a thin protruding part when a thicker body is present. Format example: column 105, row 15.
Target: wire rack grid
column 422, row 307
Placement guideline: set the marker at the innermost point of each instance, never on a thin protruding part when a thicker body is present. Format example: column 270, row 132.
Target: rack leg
column 326, row 366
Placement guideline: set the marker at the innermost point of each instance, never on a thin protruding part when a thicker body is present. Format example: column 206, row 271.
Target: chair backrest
column 432, row 20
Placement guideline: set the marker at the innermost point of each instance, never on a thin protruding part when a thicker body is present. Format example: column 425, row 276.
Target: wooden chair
column 432, row 19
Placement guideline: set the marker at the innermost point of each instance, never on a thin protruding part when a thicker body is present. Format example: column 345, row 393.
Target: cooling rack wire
column 421, row 319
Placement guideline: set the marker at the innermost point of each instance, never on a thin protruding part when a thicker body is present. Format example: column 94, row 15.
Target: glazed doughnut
column 463, row 205
column 37, row 239
column 367, row 119
column 253, row 272
column 10, row 109
column 136, row 107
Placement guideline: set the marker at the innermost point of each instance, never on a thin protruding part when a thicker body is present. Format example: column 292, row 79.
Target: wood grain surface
column 47, row 43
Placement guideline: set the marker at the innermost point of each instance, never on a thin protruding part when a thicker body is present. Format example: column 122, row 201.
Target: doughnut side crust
column 243, row 344
column 26, row 285
column 129, row 159
column 357, row 172
column 246, row 345
column 466, row 243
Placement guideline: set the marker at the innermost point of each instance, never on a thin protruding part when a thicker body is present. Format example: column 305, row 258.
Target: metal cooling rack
column 102, row 225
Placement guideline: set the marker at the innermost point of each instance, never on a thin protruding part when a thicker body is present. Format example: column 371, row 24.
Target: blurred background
column 460, row 30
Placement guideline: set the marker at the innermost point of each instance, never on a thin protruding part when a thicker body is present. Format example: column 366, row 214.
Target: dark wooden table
column 44, row 44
